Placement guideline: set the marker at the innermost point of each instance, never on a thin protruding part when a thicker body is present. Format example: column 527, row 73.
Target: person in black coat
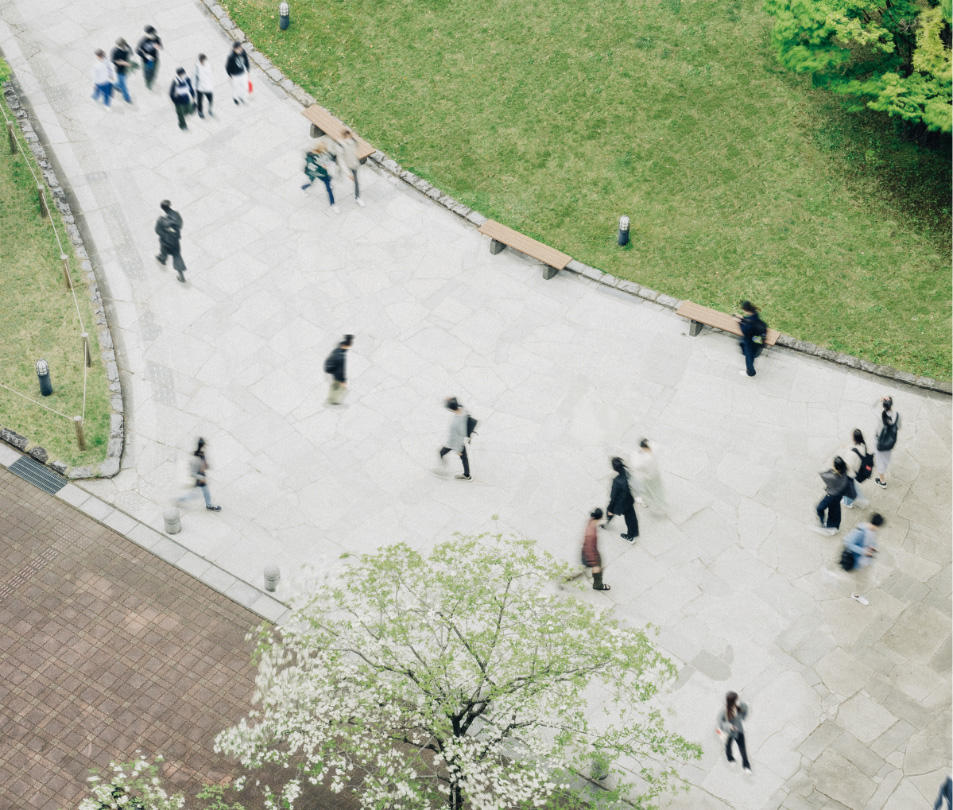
column 237, row 67
column 148, row 50
column 336, row 366
column 621, row 501
column 169, row 229
column 182, row 94
column 753, row 332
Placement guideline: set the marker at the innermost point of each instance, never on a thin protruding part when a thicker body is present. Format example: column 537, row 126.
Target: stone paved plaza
column 851, row 705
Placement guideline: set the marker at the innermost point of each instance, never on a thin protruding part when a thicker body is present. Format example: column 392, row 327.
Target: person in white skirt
column 648, row 479
column 886, row 433
column 204, row 85
column 237, row 67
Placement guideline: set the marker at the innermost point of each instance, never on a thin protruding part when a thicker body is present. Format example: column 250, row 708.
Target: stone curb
column 392, row 167
column 218, row 579
column 110, row 466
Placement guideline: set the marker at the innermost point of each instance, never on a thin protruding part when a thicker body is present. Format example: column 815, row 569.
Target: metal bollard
column 43, row 373
column 173, row 523
column 272, row 577
column 623, row 231
column 284, row 16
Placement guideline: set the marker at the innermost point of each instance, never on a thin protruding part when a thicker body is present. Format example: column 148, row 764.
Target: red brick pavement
column 106, row 650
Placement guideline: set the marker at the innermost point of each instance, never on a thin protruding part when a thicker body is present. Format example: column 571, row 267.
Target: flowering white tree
column 458, row 680
column 130, row 786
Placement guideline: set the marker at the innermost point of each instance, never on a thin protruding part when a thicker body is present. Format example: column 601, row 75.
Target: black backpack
column 471, row 425
column 866, row 468
column 847, row 560
column 888, row 435
column 331, row 363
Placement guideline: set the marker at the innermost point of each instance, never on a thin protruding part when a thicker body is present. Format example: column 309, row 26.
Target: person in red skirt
column 590, row 550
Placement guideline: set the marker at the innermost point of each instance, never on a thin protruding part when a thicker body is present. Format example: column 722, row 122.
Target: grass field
column 740, row 179
column 38, row 319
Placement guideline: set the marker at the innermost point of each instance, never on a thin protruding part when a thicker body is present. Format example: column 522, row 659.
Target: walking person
column 860, row 546
column 336, row 365
column 859, row 466
column 148, row 50
column 945, row 795
column 887, row 431
column 169, row 229
column 648, row 479
column 347, row 161
column 317, row 166
column 121, row 58
column 198, row 466
column 182, row 94
column 237, row 67
column 104, row 76
column 204, row 84
column 621, row 501
column 590, row 551
column 753, row 332
column 731, row 725
column 836, row 483
column 457, row 439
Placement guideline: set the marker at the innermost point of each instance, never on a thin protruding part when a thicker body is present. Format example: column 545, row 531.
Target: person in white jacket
column 104, row 77
column 204, row 85
column 648, row 478
column 347, row 160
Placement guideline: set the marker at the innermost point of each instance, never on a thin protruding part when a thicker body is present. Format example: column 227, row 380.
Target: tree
column 458, row 679
column 892, row 55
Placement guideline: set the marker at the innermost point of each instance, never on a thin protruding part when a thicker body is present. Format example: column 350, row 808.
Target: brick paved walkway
column 106, row 650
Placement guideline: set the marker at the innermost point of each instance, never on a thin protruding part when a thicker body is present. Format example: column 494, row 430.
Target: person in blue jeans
column 946, row 792
column 317, row 165
column 198, row 466
column 122, row 61
column 103, row 78
column 753, row 331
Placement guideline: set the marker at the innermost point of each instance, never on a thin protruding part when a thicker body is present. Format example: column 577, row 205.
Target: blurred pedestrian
column 887, row 431
column 317, row 166
column 182, row 94
column 860, row 546
column 859, row 466
column 753, row 332
column 836, row 483
column 336, row 365
column 204, row 84
column 621, row 501
column 121, row 58
column 731, row 725
column 198, row 466
column 945, row 794
column 237, row 67
column 590, row 550
column 648, row 478
column 169, row 229
column 457, row 439
column 104, row 76
column 148, row 50
column 348, row 162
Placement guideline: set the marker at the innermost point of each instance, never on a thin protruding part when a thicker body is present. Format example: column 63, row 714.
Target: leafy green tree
column 891, row 55
column 461, row 679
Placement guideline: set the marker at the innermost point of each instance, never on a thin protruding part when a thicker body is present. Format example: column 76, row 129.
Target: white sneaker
column 848, row 505
column 336, row 209
column 861, row 599
column 360, row 202
column 825, row 531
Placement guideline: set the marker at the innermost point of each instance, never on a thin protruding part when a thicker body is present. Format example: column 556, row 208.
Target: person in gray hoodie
column 836, row 484
column 457, row 440
column 731, row 726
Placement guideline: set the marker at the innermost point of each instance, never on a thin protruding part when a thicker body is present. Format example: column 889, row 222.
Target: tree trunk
column 456, row 797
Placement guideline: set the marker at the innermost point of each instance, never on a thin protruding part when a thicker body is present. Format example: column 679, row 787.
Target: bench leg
column 496, row 247
column 549, row 272
column 316, row 131
column 694, row 328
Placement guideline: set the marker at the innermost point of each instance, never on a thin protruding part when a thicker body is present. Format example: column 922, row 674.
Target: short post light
column 623, row 231
column 284, row 16
column 43, row 374
column 272, row 578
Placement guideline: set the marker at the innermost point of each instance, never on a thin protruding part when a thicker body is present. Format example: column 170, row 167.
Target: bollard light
column 43, row 373
column 272, row 577
column 284, row 16
column 623, row 231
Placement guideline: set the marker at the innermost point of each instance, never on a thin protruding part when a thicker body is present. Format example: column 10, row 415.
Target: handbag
column 251, row 87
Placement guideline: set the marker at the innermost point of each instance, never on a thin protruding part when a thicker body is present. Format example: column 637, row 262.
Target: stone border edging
column 110, row 466
column 393, row 168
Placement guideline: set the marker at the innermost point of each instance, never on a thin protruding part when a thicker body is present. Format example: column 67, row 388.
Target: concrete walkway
column 851, row 704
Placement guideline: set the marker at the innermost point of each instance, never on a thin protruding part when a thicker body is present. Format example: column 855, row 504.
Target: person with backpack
column 336, row 365
column 860, row 465
column 886, row 433
column 182, row 94
column 753, row 332
column 836, row 483
column 198, row 466
column 317, row 166
column 169, row 229
column 148, row 50
column 621, row 501
column 461, row 426
column 590, row 551
column 731, row 726
column 860, row 546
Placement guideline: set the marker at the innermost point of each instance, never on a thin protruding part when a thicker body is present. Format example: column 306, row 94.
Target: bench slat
column 331, row 126
column 525, row 244
column 719, row 320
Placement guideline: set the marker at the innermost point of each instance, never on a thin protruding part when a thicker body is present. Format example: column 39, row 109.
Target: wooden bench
column 704, row 316
column 323, row 123
column 501, row 237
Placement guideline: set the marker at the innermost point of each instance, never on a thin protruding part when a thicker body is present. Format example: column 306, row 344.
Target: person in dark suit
column 169, row 229
column 621, row 501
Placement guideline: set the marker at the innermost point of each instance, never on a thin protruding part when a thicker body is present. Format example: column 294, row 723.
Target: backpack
column 471, row 425
column 331, row 363
column 866, row 468
column 887, row 437
column 847, row 560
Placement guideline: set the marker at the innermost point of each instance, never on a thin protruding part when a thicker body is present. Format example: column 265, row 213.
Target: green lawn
column 38, row 320
column 740, row 179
